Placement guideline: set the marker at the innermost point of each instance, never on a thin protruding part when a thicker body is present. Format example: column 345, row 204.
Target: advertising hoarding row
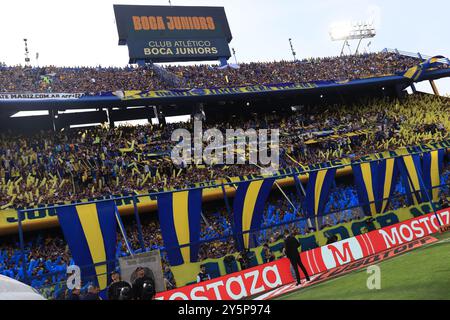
column 269, row 276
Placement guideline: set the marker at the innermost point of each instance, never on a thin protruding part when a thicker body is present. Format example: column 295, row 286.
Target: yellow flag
column 18, row 181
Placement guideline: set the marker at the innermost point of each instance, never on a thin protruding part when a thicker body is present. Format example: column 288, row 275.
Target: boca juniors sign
column 169, row 34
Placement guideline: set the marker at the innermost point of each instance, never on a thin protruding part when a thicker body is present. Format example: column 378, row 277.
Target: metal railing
column 57, row 290
column 417, row 55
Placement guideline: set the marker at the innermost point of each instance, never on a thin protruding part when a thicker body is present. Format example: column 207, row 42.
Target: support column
column 434, row 87
column 150, row 110
column 160, row 115
column 198, row 113
column 110, row 119
column 398, row 91
column 54, row 117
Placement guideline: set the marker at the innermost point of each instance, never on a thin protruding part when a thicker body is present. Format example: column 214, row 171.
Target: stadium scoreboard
column 173, row 33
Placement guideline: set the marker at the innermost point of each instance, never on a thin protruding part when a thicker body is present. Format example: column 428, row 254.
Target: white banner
column 34, row 96
column 150, row 261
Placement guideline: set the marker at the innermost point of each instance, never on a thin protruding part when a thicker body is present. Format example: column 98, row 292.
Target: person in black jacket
column 202, row 275
column 144, row 285
column 115, row 289
column 291, row 245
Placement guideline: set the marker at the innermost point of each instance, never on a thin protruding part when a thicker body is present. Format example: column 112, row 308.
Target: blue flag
column 411, row 172
column 374, row 184
column 179, row 218
column 318, row 191
column 416, row 72
column 432, row 164
column 248, row 207
column 90, row 231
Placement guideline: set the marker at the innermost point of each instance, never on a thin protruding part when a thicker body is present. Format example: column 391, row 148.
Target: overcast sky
column 83, row 32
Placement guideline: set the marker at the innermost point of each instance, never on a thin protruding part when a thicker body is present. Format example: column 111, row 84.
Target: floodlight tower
column 346, row 31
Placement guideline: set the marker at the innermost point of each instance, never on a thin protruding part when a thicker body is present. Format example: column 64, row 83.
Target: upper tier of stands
column 93, row 80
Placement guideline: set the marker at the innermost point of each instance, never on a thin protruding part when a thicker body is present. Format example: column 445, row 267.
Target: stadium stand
column 21, row 79
column 48, row 167
column 76, row 164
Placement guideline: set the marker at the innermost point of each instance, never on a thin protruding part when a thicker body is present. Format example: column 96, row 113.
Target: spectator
column 202, row 275
column 268, row 255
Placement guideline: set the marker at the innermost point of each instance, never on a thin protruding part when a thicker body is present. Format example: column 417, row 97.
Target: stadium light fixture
column 234, row 55
column 347, row 30
column 27, row 57
column 292, row 49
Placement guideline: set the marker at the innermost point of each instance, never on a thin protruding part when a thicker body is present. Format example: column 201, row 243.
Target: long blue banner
column 248, row 208
column 375, row 183
column 91, row 233
column 179, row 217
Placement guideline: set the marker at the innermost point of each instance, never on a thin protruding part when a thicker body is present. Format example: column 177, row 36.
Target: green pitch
column 422, row 274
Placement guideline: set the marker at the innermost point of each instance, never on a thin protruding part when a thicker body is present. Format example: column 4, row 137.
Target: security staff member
column 115, row 290
column 291, row 245
column 144, row 285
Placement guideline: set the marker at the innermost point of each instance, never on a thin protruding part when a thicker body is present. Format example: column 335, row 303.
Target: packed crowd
column 75, row 164
column 48, row 255
column 20, row 79
column 91, row 81
column 308, row 70
column 367, row 128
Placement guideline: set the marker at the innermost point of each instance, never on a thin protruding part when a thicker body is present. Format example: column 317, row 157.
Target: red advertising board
column 269, row 276
column 235, row 286
column 350, row 267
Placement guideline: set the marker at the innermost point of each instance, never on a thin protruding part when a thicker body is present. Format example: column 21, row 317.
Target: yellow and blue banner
column 179, row 219
column 248, row 208
column 91, row 233
column 411, row 173
column 375, row 182
column 415, row 72
column 432, row 165
column 43, row 216
column 318, row 191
